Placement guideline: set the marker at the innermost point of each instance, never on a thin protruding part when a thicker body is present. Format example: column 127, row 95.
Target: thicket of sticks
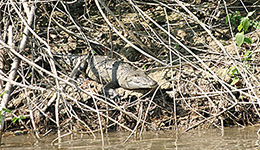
column 184, row 38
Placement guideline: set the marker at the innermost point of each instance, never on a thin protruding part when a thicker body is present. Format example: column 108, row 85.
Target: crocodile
column 112, row 73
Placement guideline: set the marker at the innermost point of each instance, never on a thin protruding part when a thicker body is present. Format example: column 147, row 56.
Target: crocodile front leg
column 110, row 91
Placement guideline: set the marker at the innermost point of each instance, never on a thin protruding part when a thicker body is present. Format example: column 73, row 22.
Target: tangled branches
column 181, row 45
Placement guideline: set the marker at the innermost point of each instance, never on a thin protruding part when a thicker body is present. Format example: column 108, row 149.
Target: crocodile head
column 138, row 80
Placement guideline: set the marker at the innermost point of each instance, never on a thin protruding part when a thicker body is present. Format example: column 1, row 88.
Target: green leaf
column 237, row 19
column 256, row 24
column 7, row 110
column 1, row 119
column 22, row 117
column 232, row 71
column 240, row 27
column 238, row 13
column 230, row 16
column 93, row 52
column 245, row 23
column 248, row 56
column 235, row 71
column 144, row 67
column 235, row 81
column 250, row 13
column 14, row 119
column 247, row 40
column 2, row 94
column 240, row 39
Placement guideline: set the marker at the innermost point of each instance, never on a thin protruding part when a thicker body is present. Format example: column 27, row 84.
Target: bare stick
column 99, row 119
column 16, row 64
column 202, row 121
column 124, row 38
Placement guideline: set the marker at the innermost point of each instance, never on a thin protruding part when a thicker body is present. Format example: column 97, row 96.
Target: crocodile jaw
column 138, row 81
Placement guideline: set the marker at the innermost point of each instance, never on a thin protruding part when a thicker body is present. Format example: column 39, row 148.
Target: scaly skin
column 117, row 73
column 112, row 73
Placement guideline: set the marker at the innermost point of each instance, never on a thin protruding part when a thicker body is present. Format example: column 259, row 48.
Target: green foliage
column 234, row 18
column 235, row 81
column 4, row 110
column 242, row 23
column 2, row 94
column 233, row 72
column 144, row 67
column 240, row 38
column 7, row 110
column 93, row 52
column 14, row 119
column 256, row 24
column 245, row 22
column 247, row 40
column 247, row 56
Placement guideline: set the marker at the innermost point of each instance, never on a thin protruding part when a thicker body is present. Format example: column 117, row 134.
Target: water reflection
column 232, row 139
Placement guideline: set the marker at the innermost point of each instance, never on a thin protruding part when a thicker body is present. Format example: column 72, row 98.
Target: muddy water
column 232, row 139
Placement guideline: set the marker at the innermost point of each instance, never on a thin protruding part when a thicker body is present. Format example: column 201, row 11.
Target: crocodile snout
column 152, row 83
column 140, row 81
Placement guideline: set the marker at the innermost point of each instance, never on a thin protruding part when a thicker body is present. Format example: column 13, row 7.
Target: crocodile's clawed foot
column 117, row 98
column 113, row 95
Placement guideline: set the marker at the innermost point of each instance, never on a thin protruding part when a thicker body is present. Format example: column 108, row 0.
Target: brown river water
column 213, row 139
